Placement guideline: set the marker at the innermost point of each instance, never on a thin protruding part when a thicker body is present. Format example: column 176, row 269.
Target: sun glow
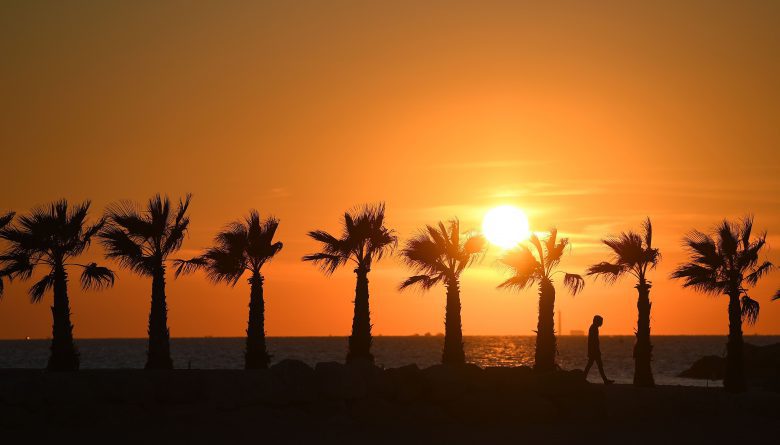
column 506, row 226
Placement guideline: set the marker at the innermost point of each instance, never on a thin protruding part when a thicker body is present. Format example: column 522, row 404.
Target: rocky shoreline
column 337, row 403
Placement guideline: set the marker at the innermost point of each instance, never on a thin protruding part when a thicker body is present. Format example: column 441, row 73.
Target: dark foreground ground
column 293, row 403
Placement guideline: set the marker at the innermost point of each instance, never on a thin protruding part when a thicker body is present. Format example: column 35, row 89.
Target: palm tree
column 364, row 239
column 528, row 269
column 439, row 255
column 243, row 246
column 51, row 237
column 141, row 241
column 4, row 221
column 727, row 262
column 633, row 254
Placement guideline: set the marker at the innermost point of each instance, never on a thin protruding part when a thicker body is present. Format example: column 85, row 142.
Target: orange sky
column 589, row 117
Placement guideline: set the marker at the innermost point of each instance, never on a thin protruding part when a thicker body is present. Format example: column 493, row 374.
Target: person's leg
column 600, row 364
column 587, row 367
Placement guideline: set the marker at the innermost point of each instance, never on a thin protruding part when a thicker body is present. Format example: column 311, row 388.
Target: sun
column 506, row 226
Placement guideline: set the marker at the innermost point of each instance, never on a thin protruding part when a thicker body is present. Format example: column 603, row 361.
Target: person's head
column 597, row 320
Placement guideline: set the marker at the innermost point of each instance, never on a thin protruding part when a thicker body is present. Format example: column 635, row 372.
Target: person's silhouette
column 594, row 349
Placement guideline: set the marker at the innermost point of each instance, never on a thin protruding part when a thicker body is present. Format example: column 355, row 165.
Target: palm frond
column 126, row 216
column 703, row 279
column 609, row 272
column 225, row 265
column 518, row 282
column 728, row 237
column 523, row 265
column 776, row 296
column 175, row 237
column 424, row 282
column 327, row 262
column 750, row 309
column 329, row 241
column 422, row 254
column 40, row 288
column 574, row 282
column 474, row 245
column 703, row 249
column 17, row 264
column 647, row 228
column 186, row 267
column 127, row 252
column 760, row 271
column 96, row 277
column 6, row 219
column 534, row 240
column 746, row 227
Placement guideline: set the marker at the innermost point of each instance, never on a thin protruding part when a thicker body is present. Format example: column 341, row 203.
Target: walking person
column 594, row 349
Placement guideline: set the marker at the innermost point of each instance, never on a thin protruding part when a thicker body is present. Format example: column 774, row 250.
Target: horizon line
column 584, row 335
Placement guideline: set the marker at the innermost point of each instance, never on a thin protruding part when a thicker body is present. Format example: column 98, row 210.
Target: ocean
column 671, row 355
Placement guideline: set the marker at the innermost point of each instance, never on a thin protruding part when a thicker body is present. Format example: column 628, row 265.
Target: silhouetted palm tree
column 244, row 246
column 4, row 221
column 727, row 262
column 529, row 269
column 50, row 237
column 438, row 255
column 142, row 240
column 633, row 254
column 364, row 239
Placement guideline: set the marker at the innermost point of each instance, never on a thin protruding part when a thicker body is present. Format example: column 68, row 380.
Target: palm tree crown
column 726, row 262
column 529, row 268
column 243, row 246
column 364, row 239
column 142, row 240
column 437, row 254
column 632, row 254
column 50, row 236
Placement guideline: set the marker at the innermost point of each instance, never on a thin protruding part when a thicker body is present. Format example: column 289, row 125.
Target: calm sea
column 672, row 354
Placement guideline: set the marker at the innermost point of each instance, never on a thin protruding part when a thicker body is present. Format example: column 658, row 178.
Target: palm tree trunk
column 159, row 353
column 643, row 349
column 453, row 334
column 360, row 340
column 256, row 353
column 545, row 331
column 64, row 356
column 734, row 380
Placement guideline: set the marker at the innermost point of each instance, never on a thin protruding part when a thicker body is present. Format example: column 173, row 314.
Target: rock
column 512, row 379
column 561, row 383
column 448, row 382
column 404, row 384
column 709, row 367
column 292, row 382
column 338, row 381
column 762, row 365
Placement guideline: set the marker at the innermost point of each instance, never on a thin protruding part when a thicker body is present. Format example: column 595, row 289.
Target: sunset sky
column 589, row 117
